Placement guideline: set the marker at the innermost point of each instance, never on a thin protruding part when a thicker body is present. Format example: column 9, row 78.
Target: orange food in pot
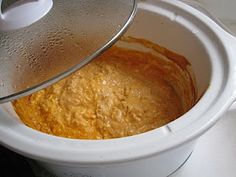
column 121, row 93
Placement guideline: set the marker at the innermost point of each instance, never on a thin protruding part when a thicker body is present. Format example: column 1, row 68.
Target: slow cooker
column 159, row 152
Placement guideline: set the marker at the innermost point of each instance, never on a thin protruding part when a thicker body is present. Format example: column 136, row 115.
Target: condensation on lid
column 61, row 42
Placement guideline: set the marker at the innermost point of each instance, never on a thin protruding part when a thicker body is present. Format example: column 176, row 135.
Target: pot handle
column 232, row 47
column 23, row 13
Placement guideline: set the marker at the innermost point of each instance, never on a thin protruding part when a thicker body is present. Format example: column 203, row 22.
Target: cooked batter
column 121, row 93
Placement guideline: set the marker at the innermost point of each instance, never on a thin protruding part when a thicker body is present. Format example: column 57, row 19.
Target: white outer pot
column 156, row 153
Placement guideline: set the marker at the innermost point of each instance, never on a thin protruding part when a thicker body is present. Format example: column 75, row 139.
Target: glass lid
column 40, row 47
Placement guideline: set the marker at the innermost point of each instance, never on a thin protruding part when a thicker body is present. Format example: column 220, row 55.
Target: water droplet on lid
column 18, row 66
column 2, row 84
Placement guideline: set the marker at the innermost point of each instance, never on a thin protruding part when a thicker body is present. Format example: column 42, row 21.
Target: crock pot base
column 41, row 172
column 181, row 165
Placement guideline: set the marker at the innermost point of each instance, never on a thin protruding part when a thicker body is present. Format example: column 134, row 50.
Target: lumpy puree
column 121, row 93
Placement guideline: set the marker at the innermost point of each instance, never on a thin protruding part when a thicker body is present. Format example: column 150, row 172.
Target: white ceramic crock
column 212, row 53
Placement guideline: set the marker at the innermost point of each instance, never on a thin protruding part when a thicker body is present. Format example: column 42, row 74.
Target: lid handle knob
column 23, row 13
